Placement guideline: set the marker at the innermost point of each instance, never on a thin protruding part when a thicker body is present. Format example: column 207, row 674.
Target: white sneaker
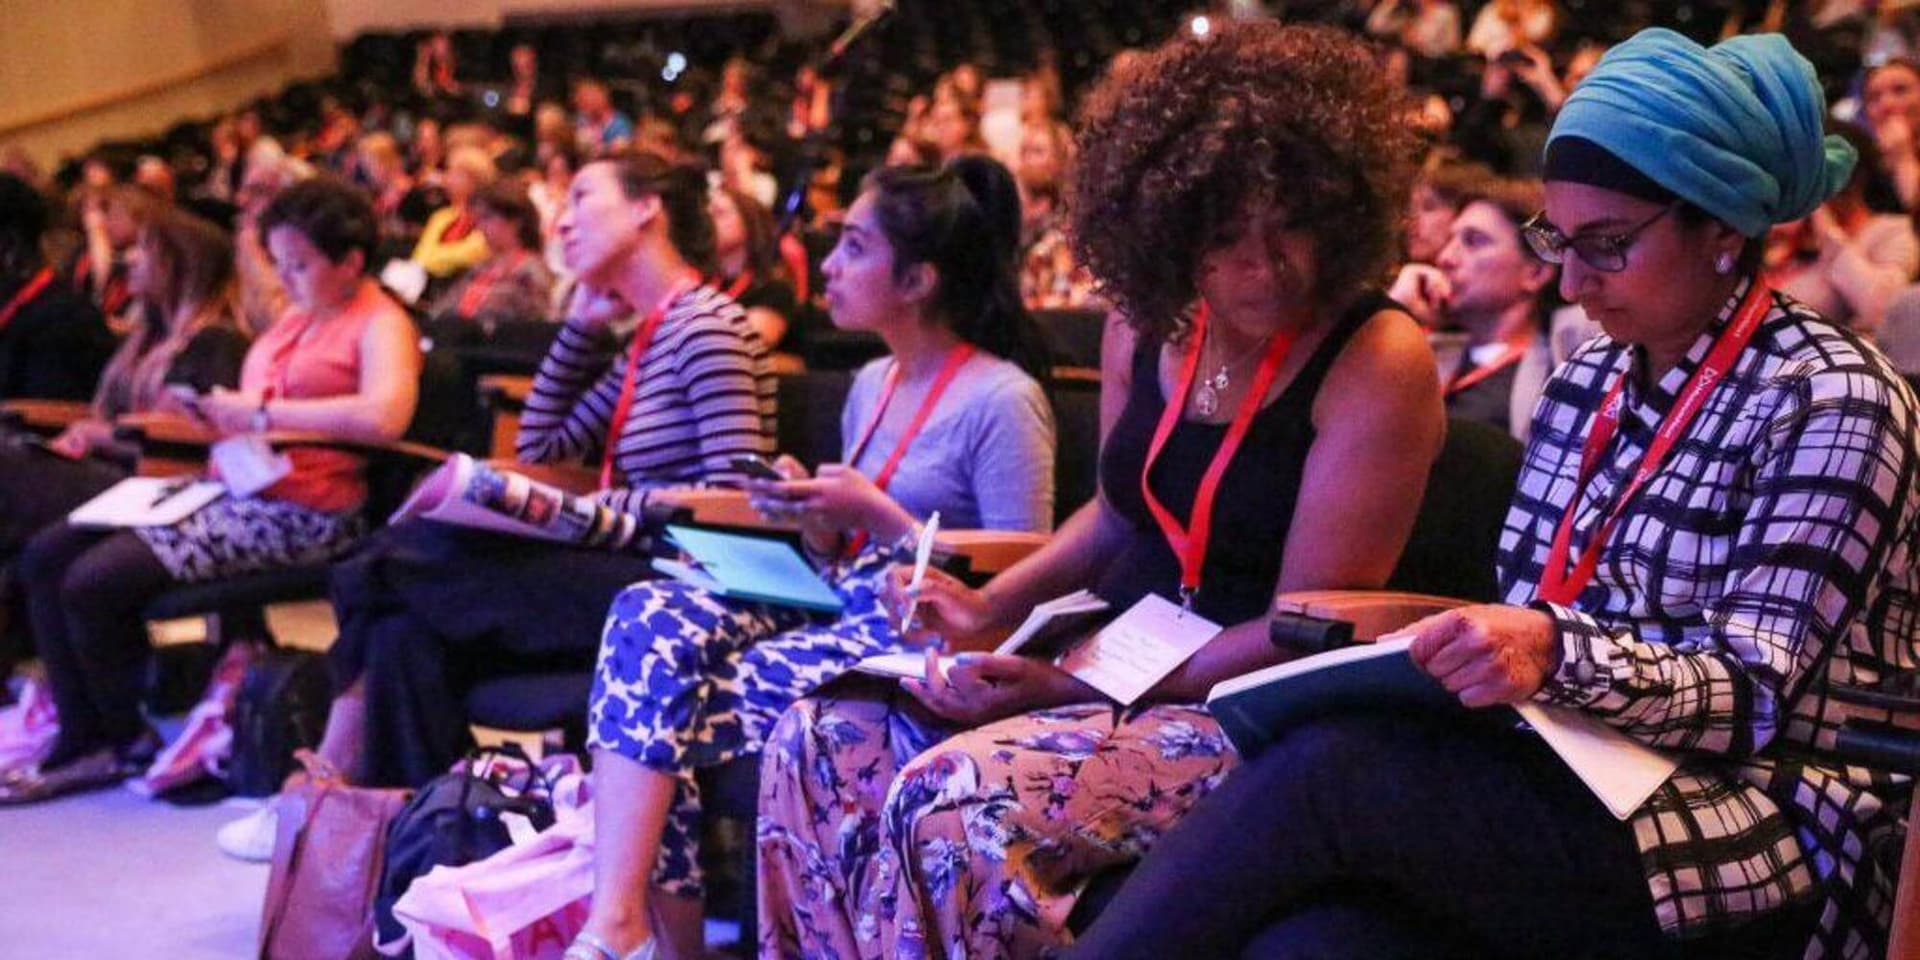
column 250, row 838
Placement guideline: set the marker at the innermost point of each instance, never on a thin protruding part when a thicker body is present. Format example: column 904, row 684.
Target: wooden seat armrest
column 718, row 506
column 45, row 416
column 570, row 477
column 165, row 428
column 506, row 390
column 282, row 439
column 1372, row 612
column 987, row 552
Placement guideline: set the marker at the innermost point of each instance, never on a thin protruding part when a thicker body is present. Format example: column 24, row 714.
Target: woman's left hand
column 983, row 687
column 1487, row 654
column 228, row 411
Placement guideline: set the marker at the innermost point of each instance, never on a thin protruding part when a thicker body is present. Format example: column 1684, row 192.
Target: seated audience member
column 263, row 298
column 1049, row 278
column 153, row 175
column 1504, row 25
column 452, row 241
column 697, row 395
column 599, row 129
column 110, row 219
column 749, row 267
column 381, row 167
column 52, row 340
column 181, row 272
column 1890, row 99
column 1699, row 584
column 343, row 362
column 1489, row 285
column 1843, row 260
column 558, row 163
column 427, row 153
column 1430, row 28
column 949, row 423
column 746, row 164
column 513, row 282
column 962, row 814
column 953, row 126
column 1437, row 197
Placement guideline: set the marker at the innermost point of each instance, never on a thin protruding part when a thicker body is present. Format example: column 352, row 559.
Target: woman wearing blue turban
column 1715, row 529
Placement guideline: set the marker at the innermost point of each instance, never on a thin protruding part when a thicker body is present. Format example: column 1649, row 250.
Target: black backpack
column 455, row 820
column 282, row 707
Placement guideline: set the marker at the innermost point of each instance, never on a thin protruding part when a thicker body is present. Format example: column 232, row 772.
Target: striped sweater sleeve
column 718, row 372
column 571, row 404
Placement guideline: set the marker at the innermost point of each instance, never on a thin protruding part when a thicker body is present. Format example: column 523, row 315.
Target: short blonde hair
column 475, row 163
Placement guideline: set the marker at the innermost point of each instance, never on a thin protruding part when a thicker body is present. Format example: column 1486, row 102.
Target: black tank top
column 1255, row 503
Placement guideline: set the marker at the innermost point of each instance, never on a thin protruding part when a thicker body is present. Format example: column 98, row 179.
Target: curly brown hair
column 1177, row 144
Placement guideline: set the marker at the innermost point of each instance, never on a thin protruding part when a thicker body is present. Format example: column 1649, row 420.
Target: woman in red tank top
column 344, row 362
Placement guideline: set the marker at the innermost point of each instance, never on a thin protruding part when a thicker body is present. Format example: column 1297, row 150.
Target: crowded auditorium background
column 980, row 479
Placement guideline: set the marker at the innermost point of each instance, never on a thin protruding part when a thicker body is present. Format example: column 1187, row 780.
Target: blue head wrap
column 1736, row 130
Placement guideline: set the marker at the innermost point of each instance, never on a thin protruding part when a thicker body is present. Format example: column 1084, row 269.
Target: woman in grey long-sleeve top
column 949, row 422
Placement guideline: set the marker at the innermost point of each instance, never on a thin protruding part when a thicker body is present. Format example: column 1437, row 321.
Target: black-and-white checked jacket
column 1769, row 560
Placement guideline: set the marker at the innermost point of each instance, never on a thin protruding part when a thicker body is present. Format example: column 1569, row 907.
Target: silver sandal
column 586, row 946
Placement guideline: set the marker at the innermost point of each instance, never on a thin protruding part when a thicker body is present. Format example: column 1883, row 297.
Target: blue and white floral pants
column 690, row 679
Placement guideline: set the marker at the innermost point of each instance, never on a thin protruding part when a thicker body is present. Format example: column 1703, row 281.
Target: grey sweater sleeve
column 1011, row 451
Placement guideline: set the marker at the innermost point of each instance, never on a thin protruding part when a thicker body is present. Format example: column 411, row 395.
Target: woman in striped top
column 703, row 395
column 950, row 422
column 427, row 610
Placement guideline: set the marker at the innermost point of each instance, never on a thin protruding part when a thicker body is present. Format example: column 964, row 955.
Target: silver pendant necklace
column 1206, row 396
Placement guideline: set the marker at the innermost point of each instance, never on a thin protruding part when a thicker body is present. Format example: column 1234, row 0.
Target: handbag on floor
column 526, row 902
column 282, row 708
column 462, row 816
column 206, row 741
column 28, row 727
column 327, row 855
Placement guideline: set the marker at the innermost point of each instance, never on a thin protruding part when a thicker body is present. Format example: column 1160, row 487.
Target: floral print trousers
column 688, row 679
column 886, row 833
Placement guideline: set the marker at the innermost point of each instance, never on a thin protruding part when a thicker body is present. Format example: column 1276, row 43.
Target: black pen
column 168, row 491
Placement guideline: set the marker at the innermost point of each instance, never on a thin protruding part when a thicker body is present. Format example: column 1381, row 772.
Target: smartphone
column 757, row 468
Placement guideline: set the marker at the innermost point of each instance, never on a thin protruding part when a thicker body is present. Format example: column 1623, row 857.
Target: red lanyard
column 740, row 285
column 25, row 295
column 457, row 230
column 1189, row 543
column 1562, row 586
column 956, row 358
column 642, row 338
column 1507, row 358
column 475, row 296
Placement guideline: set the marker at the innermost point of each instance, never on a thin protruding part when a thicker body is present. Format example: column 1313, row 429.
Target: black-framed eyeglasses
column 1605, row 252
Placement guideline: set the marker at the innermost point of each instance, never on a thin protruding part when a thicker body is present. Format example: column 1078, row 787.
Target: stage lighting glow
column 1201, row 26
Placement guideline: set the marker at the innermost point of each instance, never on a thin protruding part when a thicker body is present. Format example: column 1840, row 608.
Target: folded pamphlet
column 1258, row 708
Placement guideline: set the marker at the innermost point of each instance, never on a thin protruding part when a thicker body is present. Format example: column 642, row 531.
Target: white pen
column 922, row 552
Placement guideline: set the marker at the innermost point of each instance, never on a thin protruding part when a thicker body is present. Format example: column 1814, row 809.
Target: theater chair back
column 1457, row 531
column 808, row 424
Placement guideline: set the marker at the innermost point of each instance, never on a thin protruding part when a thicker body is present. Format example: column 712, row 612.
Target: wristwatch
column 261, row 422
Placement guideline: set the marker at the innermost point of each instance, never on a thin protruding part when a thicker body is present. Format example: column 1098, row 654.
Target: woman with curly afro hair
column 1236, row 196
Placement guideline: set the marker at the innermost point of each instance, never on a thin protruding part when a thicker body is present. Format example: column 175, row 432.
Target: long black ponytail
column 963, row 219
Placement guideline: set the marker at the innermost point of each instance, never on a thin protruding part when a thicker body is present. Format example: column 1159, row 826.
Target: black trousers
column 427, row 611
column 84, row 591
column 1388, row 836
column 36, row 489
